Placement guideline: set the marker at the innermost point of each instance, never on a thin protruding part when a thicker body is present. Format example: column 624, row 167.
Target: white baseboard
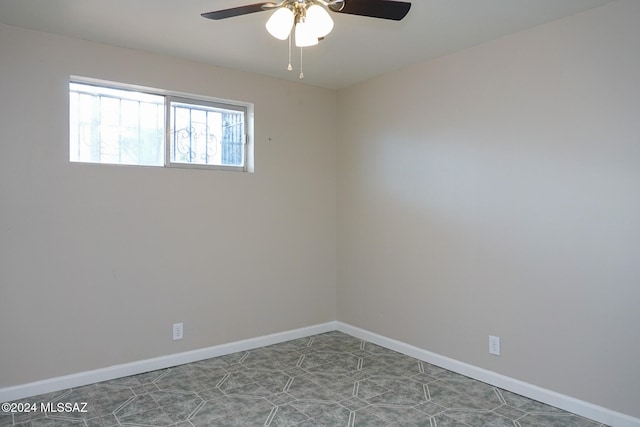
column 576, row 406
column 570, row 404
column 117, row 371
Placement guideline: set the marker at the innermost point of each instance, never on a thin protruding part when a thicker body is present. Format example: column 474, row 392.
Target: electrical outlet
column 178, row 331
column 494, row 345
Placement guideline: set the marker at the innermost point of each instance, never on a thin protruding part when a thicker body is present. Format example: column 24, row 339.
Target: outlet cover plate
column 178, row 331
column 494, row 345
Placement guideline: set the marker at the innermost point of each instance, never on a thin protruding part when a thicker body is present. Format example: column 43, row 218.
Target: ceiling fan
column 385, row 9
column 310, row 20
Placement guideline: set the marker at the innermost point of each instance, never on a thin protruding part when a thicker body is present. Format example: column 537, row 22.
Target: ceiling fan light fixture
column 319, row 19
column 309, row 20
column 280, row 23
column 305, row 35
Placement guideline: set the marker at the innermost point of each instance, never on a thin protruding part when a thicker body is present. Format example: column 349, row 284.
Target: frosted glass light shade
column 280, row 23
column 320, row 20
column 305, row 35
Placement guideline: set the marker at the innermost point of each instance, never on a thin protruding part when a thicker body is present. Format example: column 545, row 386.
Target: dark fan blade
column 237, row 11
column 385, row 9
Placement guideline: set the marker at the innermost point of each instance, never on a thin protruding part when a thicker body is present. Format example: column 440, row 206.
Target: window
column 206, row 133
column 124, row 126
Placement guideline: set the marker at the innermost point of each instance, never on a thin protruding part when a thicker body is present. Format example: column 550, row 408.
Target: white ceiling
column 358, row 48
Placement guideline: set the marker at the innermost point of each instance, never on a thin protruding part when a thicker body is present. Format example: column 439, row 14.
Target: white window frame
column 169, row 100
column 170, row 96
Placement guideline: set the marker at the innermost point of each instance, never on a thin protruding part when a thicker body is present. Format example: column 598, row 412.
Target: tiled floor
column 330, row 379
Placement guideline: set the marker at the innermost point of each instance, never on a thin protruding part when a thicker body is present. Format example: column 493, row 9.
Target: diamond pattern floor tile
column 330, row 379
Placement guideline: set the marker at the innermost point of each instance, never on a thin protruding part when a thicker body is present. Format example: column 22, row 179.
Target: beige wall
column 97, row 262
column 497, row 191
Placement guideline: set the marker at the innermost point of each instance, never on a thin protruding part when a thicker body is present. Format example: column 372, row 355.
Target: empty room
column 320, row 213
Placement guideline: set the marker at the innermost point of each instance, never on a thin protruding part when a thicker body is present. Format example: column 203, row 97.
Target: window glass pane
column 115, row 126
column 204, row 134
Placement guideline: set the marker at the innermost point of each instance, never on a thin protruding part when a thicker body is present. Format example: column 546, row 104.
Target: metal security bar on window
column 232, row 139
column 115, row 126
column 205, row 133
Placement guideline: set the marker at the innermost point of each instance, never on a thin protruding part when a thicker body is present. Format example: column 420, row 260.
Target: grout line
column 138, row 394
column 352, row 419
column 300, row 360
column 131, row 399
column 427, row 395
column 271, row 416
column 195, row 411
column 288, row 384
column 222, row 380
column 164, row 374
column 63, row 395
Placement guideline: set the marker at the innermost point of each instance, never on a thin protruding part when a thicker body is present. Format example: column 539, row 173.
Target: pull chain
column 301, row 71
column 289, row 67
